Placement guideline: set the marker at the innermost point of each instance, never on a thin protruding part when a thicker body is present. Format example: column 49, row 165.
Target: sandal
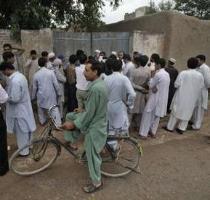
column 73, row 148
column 90, row 188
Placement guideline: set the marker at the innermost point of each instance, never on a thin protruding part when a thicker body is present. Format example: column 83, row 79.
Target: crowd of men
column 102, row 95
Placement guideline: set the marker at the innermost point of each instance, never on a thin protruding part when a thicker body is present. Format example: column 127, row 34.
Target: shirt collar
column 11, row 76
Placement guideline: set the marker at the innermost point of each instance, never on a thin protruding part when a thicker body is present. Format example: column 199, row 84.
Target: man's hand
column 69, row 125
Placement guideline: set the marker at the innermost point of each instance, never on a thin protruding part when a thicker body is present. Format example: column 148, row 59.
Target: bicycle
column 45, row 150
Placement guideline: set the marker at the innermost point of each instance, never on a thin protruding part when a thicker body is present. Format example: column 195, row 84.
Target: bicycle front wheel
column 43, row 154
column 122, row 161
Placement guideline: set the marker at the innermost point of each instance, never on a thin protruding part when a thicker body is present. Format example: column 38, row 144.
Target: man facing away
column 19, row 114
column 82, row 83
column 91, row 123
column 156, row 106
column 121, row 97
column 189, row 84
column 202, row 105
column 47, row 91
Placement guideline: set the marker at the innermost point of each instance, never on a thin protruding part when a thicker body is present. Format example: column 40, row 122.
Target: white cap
column 57, row 62
column 51, row 55
column 97, row 51
column 114, row 53
column 172, row 60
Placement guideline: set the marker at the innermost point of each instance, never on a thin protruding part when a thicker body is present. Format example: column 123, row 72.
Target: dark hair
column 72, row 59
column 192, row 63
column 127, row 57
column 141, row 60
column 33, row 52
column 91, row 58
column 42, row 62
column 117, row 66
column 112, row 56
column 155, row 57
column 7, row 55
column 44, row 53
column 7, row 45
column 5, row 66
column 201, row 57
column 102, row 53
column 161, row 62
column 79, row 52
column 95, row 65
column 82, row 58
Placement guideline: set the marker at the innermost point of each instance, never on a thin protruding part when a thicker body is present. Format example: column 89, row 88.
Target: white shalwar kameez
column 47, row 91
column 19, row 114
column 202, row 105
column 156, row 106
column 189, row 84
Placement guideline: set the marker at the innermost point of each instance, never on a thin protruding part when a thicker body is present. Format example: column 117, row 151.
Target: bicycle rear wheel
column 123, row 161
column 43, row 153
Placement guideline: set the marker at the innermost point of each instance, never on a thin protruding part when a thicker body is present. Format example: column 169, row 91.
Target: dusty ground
column 173, row 167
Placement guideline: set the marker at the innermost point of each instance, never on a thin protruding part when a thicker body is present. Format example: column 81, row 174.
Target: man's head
column 141, row 60
column 8, row 57
column 154, row 58
column 127, row 58
column 82, row 59
column 7, row 47
column 93, row 70
column 44, row 54
column 192, row 63
column 51, row 56
column 160, row 64
column 7, row 68
column 42, row 62
column 72, row 59
column 33, row 54
column 201, row 59
column 117, row 66
column 120, row 55
column 171, row 62
column 79, row 52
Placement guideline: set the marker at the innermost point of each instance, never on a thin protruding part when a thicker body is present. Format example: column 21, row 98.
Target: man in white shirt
column 202, row 105
column 82, row 83
column 19, row 114
column 188, row 84
column 129, row 65
column 47, row 92
column 156, row 106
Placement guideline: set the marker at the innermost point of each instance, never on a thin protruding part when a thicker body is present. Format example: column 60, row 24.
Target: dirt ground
column 173, row 167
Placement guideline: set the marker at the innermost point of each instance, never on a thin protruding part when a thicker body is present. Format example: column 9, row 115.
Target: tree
column 162, row 6
column 197, row 8
column 35, row 14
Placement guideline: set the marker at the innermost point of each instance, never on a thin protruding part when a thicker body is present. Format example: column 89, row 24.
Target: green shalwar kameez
column 93, row 124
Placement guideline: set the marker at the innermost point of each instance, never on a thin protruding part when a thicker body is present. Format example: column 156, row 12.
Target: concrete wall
column 184, row 36
column 40, row 40
column 5, row 37
column 148, row 43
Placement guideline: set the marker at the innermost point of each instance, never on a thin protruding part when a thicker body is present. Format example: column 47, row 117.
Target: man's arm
column 15, row 94
column 3, row 95
column 130, row 93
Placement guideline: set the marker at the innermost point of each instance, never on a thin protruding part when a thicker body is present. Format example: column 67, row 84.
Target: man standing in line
column 156, row 106
column 202, row 105
column 47, row 91
column 189, row 84
column 92, row 123
column 19, row 114
column 173, row 73
column 121, row 97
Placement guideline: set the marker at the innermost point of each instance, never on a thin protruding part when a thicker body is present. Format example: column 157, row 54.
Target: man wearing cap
column 173, row 73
